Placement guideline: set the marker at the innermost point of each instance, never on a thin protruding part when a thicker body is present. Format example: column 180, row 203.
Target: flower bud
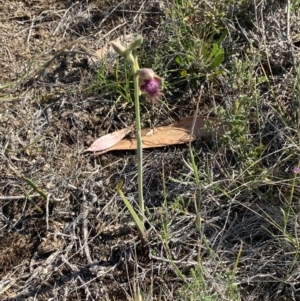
column 136, row 43
column 146, row 73
column 118, row 48
column 295, row 169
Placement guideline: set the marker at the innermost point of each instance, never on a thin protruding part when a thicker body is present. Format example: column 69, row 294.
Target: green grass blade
column 36, row 207
column 134, row 215
column 35, row 188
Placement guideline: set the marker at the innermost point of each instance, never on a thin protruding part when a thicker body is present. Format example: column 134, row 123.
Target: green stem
column 135, row 68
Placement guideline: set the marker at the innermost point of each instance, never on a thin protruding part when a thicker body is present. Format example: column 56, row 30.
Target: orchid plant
column 145, row 80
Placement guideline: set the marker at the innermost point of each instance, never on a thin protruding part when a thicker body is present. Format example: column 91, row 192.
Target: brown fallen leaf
column 109, row 140
column 177, row 133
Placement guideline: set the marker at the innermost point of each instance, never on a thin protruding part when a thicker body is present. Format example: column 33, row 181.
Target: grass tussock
column 222, row 214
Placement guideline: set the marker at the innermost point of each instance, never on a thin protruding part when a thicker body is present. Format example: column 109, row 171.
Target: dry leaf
column 109, row 140
column 178, row 133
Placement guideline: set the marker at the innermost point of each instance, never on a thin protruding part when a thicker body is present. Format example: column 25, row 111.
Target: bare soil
column 83, row 246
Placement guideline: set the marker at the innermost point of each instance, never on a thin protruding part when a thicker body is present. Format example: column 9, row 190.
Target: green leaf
column 218, row 59
column 214, row 50
column 222, row 37
column 219, row 72
column 184, row 73
column 205, row 51
column 179, row 60
column 261, row 80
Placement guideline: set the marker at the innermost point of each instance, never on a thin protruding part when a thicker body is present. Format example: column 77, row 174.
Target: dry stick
column 289, row 40
column 47, row 211
column 291, row 50
column 264, row 41
column 288, row 15
column 18, row 197
column 185, row 263
column 30, row 31
column 85, row 212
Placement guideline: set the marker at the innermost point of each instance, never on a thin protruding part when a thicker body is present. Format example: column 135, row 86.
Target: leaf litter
column 185, row 130
column 109, row 140
column 81, row 191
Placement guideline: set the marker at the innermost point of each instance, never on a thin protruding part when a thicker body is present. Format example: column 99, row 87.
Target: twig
column 288, row 16
column 61, row 20
column 47, row 211
column 185, row 263
column 30, row 31
column 85, row 212
column 289, row 40
column 18, row 197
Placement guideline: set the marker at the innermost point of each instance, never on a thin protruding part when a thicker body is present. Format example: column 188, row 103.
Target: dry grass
column 54, row 103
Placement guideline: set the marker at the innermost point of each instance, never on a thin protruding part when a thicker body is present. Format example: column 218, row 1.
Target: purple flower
column 150, row 83
column 295, row 169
